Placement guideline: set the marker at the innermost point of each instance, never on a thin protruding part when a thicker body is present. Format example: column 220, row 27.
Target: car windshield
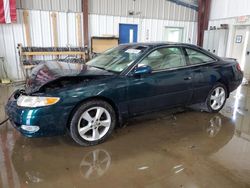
column 117, row 59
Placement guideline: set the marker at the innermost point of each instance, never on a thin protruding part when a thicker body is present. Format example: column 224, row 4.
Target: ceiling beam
column 186, row 3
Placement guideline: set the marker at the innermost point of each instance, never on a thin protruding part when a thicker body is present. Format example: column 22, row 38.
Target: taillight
column 238, row 67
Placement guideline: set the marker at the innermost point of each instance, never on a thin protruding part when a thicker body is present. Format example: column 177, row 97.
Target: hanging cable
column 3, row 122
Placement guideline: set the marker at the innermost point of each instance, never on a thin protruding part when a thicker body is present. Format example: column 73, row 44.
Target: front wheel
column 216, row 98
column 92, row 123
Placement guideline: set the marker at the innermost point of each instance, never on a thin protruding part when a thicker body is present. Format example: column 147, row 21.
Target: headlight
column 31, row 101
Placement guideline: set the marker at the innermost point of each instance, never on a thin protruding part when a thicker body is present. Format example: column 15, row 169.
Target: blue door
column 127, row 33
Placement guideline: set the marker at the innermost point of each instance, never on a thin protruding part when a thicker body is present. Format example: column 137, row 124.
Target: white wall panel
column 82, row 29
column 103, row 25
column 72, row 6
column 229, row 8
column 150, row 9
column 116, row 21
column 117, row 5
column 55, row 5
column 10, row 36
column 51, row 5
column 148, row 29
column 2, row 46
column 36, row 30
column 18, row 4
column 231, row 22
column 46, row 29
column 79, row 7
column 18, row 32
column 38, row 3
column 46, row 5
column 72, row 29
column 110, row 25
column 94, row 26
column 64, row 5
column 9, row 44
column 62, row 22
column 27, row 4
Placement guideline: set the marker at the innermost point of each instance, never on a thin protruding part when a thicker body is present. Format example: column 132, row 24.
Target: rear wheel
column 216, row 98
column 92, row 123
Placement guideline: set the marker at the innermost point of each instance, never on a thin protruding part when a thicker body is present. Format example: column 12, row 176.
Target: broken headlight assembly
column 34, row 101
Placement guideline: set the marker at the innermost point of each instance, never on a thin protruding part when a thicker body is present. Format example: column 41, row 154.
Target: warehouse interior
column 170, row 148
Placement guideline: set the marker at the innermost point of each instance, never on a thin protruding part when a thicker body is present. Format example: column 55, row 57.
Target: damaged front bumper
column 38, row 122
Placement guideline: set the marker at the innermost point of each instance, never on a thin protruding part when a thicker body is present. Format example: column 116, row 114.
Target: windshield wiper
column 102, row 68
column 98, row 67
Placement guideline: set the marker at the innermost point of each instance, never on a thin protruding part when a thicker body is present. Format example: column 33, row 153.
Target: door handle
column 188, row 78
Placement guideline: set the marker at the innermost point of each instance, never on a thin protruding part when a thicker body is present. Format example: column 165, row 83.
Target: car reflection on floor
column 95, row 164
column 126, row 154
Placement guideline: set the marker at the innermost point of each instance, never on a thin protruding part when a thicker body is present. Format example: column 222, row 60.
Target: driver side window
column 164, row 58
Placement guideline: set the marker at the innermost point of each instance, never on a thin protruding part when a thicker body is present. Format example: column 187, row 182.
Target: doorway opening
column 128, row 33
column 173, row 34
column 241, row 48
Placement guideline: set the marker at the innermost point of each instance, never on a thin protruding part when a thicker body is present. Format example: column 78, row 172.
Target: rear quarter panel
column 206, row 76
column 226, row 72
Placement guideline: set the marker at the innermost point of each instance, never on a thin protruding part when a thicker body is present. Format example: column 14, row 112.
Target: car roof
column 152, row 45
column 158, row 44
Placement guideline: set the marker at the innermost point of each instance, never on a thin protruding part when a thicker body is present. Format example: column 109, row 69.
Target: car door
column 167, row 86
column 201, row 72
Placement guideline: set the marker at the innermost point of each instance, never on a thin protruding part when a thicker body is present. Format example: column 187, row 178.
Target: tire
column 92, row 123
column 213, row 102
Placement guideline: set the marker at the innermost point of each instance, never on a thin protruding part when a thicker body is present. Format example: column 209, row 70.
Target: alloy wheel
column 217, row 98
column 94, row 123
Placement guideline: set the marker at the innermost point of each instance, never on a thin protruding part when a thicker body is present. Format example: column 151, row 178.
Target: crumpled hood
column 53, row 70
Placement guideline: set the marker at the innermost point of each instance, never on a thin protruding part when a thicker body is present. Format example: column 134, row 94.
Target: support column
column 85, row 10
column 203, row 18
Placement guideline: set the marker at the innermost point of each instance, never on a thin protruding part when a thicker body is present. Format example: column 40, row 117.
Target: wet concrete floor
column 188, row 149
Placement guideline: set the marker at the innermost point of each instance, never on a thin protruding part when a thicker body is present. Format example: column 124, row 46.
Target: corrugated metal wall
column 105, row 15
column 148, row 29
column 41, row 35
column 221, row 9
column 51, row 5
column 147, row 9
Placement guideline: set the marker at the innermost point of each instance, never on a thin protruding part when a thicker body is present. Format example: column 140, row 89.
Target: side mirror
column 142, row 70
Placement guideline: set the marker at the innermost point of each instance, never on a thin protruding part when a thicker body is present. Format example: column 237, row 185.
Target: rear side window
column 164, row 58
column 196, row 57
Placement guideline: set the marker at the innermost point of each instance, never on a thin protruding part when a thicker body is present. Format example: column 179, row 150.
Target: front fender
column 113, row 91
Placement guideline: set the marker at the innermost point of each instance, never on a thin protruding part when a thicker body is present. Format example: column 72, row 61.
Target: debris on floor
column 143, row 168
